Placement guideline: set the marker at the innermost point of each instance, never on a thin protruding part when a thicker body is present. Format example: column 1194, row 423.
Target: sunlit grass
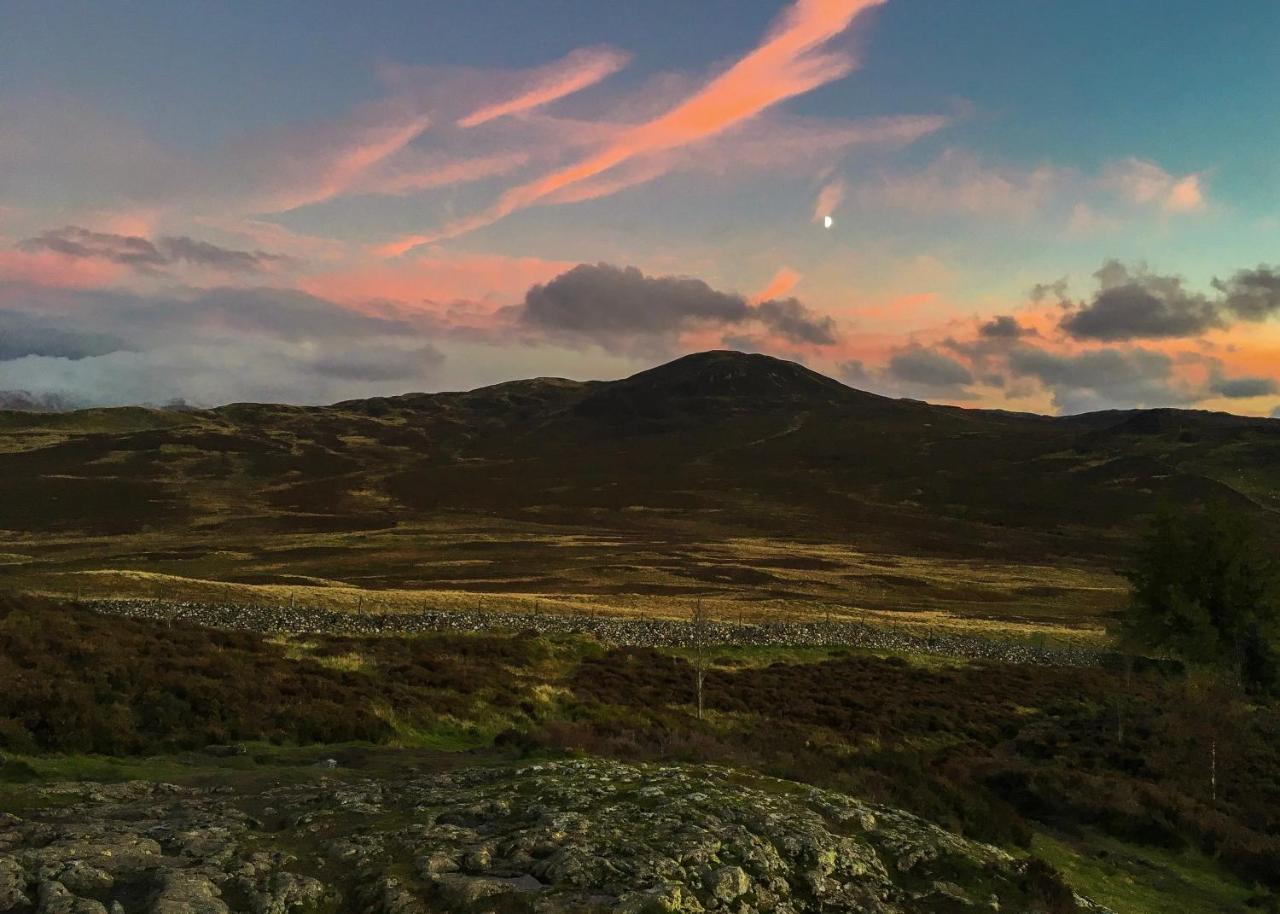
column 1143, row 880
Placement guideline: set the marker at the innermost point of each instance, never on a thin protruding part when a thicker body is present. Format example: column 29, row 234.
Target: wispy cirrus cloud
column 788, row 62
column 301, row 166
column 579, row 69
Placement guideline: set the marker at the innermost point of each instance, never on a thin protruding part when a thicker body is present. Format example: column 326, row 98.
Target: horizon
column 250, row 205
column 36, row 408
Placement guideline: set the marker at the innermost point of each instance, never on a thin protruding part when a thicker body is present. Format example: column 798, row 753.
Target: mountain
column 716, row 444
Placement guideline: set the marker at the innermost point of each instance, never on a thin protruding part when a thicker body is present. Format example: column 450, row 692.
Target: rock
column 458, row 891
column 226, row 751
column 565, row 835
column 729, row 883
column 13, row 885
column 394, row 898
column 436, row 863
column 83, row 879
column 55, row 898
column 285, row 892
column 329, row 763
column 188, row 893
column 662, row 899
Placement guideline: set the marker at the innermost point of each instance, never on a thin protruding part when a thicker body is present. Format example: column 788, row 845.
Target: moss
column 1143, row 880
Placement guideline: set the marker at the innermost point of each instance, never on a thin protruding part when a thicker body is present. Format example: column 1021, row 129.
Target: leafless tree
column 700, row 632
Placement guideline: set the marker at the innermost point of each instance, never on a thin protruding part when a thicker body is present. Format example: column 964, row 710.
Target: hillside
column 644, row 478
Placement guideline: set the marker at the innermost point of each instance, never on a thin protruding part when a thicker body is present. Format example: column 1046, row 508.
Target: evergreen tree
column 1205, row 587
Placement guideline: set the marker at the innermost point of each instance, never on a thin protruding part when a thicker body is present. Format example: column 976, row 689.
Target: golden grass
column 479, row 564
column 335, row 596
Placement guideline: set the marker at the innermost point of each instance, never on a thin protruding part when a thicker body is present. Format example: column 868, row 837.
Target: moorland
column 449, row 770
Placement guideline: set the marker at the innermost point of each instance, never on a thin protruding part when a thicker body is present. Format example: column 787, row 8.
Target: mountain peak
column 728, row 373
column 715, row 383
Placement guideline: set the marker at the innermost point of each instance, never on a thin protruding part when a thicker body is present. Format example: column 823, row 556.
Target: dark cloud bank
column 621, row 309
column 1137, row 304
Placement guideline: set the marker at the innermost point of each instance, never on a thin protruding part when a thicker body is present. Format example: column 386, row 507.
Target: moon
column 827, row 222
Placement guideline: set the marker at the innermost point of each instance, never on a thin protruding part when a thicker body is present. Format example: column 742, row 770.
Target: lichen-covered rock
column 13, row 885
column 188, row 893
column 569, row 835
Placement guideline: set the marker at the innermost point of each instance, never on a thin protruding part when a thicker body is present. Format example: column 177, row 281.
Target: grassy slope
column 739, row 479
column 1144, row 880
column 937, row 738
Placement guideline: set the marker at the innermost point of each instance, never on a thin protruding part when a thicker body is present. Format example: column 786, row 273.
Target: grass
column 487, row 564
column 1144, row 880
column 989, row 750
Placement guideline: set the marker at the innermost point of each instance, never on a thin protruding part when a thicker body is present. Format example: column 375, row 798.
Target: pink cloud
column 409, row 174
column 957, row 182
column 789, row 62
column 780, row 286
column 434, row 284
column 1145, row 183
column 301, row 167
column 575, row 72
column 49, row 268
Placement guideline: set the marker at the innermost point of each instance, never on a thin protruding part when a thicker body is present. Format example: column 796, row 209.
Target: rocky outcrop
column 585, row 835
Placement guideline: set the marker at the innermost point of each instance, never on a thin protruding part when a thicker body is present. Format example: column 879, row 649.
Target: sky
column 1044, row 205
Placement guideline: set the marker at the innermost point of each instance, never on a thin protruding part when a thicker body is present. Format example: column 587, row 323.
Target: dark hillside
column 713, row 445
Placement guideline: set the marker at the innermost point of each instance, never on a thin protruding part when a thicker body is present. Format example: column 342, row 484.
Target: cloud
column 380, row 362
column 621, row 308
column 1003, row 327
column 788, row 62
column 579, row 69
column 412, row 173
column 852, row 371
column 1102, row 378
column 1137, row 304
column 1147, row 184
column 958, row 183
column 206, row 347
column 297, row 167
column 24, row 401
column 1251, row 295
column 927, row 368
column 1243, row 388
column 605, row 299
column 1044, row 291
column 23, row 335
column 1146, row 308
column 829, row 197
column 780, row 285
column 146, row 255
column 795, row 322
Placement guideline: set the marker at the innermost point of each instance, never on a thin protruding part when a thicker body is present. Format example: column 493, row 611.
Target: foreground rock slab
column 582, row 835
